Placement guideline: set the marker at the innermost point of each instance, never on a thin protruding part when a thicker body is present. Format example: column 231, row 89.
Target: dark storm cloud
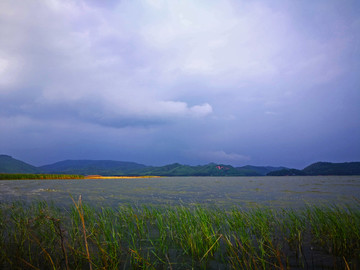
column 158, row 82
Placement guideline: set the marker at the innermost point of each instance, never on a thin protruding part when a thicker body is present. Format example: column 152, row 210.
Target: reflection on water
column 294, row 192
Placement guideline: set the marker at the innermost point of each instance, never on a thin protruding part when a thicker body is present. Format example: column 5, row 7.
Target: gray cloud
column 277, row 82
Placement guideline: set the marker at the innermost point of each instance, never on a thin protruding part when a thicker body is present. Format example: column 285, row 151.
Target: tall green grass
column 42, row 236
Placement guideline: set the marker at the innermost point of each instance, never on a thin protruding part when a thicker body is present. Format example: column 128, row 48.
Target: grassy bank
column 40, row 236
column 119, row 177
column 18, row 176
column 27, row 176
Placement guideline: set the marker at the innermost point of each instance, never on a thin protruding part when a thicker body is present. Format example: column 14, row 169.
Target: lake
column 225, row 192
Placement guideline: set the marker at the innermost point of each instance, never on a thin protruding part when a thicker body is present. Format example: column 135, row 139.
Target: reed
column 41, row 236
column 336, row 229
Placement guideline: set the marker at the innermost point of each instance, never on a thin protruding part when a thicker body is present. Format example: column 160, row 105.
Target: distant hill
column 89, row 167
column 177, row 169
column 249, row 170
column 11, row 165
column 327, row 168
column 109, row 167
column 322, row 168
column 122, row 168
column 286, row 172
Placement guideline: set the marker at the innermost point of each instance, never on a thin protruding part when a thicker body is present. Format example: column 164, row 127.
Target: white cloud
column 153, row 109
column 218, row 40
column 7, row 74
column 201, row 110
column 226, row 43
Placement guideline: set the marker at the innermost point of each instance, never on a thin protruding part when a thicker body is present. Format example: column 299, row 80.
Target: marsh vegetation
column 42, row 236
column 29, row 176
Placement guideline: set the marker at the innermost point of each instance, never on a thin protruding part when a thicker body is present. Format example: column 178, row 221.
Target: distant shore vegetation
column 119, row 177
column 28, row 176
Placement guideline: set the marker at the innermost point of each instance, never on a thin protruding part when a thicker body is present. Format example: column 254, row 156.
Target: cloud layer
column 153, row 80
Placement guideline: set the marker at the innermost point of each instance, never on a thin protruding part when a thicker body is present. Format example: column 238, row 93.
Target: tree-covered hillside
column 10, row 165
column 323, row 168
column 249, row 170
column 122, row 168
column 327, row 168
column 177, row 169
column 89, row 167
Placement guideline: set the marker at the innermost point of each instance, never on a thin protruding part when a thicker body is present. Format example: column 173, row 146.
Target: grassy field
column 18, row 176
column 41, row 236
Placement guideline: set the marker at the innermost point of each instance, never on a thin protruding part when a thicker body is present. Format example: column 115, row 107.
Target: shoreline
column 16, row 176
column 119, row 177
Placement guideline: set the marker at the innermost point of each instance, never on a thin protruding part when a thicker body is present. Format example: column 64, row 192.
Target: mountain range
column 121, row 168
column 118, row 168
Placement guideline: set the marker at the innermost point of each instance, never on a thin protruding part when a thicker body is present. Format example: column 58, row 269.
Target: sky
column 156, row 82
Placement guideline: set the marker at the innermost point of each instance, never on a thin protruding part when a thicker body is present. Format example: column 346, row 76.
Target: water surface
column 293, row 192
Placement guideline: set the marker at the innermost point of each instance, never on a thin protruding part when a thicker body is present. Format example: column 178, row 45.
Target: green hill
column 286, row 172
column 323, row 168
column 109, row 167
column 121, row 168
column 328, row 168
column 11, row 165
column 249, row 170
column 177, row 169
column 89, row 167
